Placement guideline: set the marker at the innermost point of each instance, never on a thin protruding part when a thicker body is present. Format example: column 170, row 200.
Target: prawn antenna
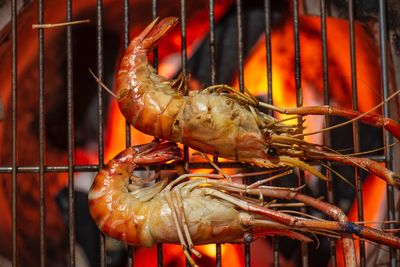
column 352, row 120
column 338, row 174
column 372, row 150
column 103, row 85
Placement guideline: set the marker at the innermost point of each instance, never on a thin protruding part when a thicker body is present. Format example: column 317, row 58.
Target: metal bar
column 42, row 188
column 213, row 72
column 218, row 255
column 213, row 78
column 268, row 18
column 299, row 102
column 218, row 260
column 154, row 5
column 70, row 134
column 267, row 5
column 131, row 254
column 240, row 44
column 183, row 37
column 50, row 169
column 275, row 243
column 14, row 130
column 297, row 63
column 95, row 168
column 100, row 75
column 239, row 18
column 213, row 68
column 388, row 139
column 126, row 43
column 327, row 136
column 247, row 256
column 160, row 256
column 184, row 71
column 128, row 140
column 356, row 142
column 155, row 50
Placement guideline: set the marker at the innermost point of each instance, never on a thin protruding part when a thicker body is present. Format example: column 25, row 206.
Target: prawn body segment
column 116, row 212
column 134, row 217
column 146, row 98
column 218, row 125
column 209, row 221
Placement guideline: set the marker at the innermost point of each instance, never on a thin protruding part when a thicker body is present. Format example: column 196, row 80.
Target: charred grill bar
column 386, row 112
column 41, row 136
column 14, row 130
column 71, row 168
column 99, row 34
column 355, row 124
column 327, row 136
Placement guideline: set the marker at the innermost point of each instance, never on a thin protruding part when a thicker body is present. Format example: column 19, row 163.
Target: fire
column 232, row 255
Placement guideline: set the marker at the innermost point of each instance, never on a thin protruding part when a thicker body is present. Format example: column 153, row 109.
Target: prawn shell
column 155, row 118
column 121, row 219
column 220, row 126
column 209, row 220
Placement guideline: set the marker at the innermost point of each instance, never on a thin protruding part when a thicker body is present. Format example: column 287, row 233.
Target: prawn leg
column 365, row 163
column 271, row 228
column 327, row 208
column 173, row 206
column 296, row 222
column 335, row 213
column 178, row 196
column 221, row 88
column 181, row 84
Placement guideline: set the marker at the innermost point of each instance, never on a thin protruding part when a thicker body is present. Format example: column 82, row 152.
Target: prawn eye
column 271, row 151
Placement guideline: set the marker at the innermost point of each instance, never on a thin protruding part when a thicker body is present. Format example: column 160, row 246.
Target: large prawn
column 221, row 121
column 205, row 210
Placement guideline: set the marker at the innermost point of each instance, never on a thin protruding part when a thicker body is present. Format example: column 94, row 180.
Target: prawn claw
column 157, row 153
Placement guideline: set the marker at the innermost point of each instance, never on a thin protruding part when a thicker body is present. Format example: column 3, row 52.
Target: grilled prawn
column 206, row 209
column 221, row 121
column 127, row 208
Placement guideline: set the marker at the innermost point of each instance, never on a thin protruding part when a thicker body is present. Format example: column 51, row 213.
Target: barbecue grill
column 48, row 133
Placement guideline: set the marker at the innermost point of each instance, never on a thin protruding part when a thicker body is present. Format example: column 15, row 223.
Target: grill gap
column 42, row 187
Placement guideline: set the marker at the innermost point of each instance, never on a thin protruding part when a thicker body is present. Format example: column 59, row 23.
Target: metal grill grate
column 71, row 168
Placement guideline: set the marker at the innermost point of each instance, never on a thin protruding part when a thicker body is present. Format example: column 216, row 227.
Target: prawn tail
column 155, row 31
